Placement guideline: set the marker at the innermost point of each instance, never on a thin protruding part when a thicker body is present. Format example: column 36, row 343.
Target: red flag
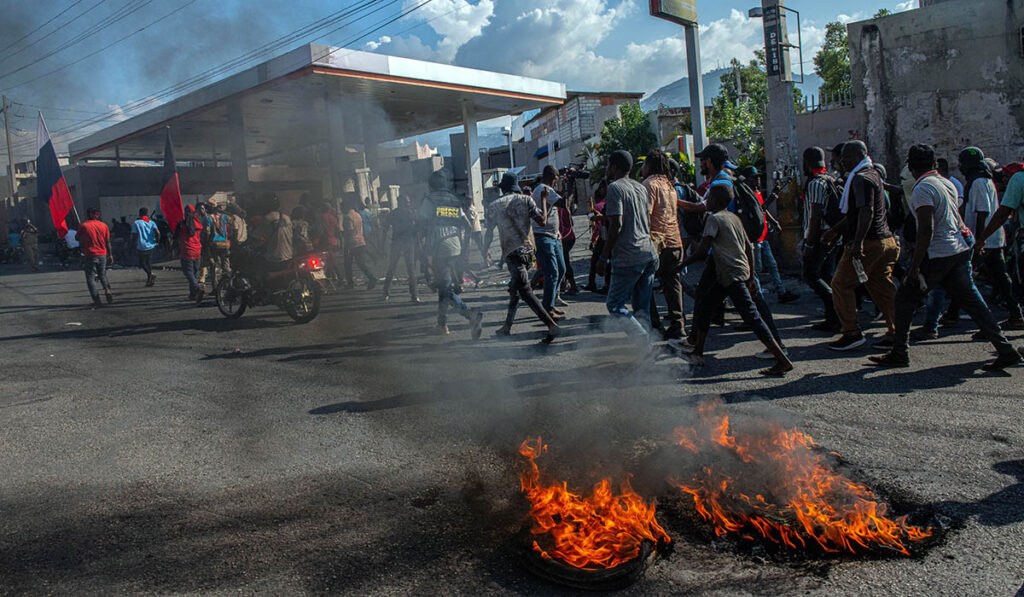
column 170, row 193
column 50, row 184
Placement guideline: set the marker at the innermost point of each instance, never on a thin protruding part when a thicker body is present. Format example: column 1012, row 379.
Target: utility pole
column 782, row 155
column 10, row 168
column 697, row 121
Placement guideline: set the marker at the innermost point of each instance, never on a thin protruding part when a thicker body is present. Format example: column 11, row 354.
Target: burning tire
column 601, row 540
column 606, row 579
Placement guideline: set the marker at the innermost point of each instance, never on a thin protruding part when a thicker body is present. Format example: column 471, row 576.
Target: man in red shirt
column 189, row 236
column 94, row 239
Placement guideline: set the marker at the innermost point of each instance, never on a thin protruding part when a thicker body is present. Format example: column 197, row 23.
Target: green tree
column 741, row 119
column 832, row 62
column 882, row 12
column 631, row 131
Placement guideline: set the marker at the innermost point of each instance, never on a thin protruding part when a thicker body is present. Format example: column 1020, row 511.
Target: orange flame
column 600, row 531
column 804, row 499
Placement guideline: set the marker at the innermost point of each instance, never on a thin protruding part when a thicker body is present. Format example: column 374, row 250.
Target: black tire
column 231, row 302
column 304, row 300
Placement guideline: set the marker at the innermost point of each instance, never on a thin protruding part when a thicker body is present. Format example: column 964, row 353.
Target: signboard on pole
column 772, row 41
column 681, row 12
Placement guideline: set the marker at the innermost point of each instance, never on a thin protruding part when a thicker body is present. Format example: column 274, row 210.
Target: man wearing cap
column 982, row 202
column 942, row 255
column 717, row 168
column 628, row 249
column 512, row 214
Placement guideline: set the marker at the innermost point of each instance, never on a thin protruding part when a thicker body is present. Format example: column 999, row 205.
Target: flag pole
column 74, row 207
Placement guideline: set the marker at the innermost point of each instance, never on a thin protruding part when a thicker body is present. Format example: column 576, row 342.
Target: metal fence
column 828, row 101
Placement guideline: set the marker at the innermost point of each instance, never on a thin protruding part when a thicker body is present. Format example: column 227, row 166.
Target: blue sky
column 587, row 44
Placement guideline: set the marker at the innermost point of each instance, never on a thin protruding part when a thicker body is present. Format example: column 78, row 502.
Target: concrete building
column 557, row 134
column 950, row 73
column 310, row 121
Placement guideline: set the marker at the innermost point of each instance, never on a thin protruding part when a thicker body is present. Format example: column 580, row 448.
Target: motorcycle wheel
column 230, row 301
column 303, row 303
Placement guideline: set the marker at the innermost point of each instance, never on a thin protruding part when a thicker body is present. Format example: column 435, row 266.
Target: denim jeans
column 443, row 268
column 96, row 267
column 636, row 284
column 552, row 264
column 954, row 274
column 191, row 269
column 764, row 260
column 935, row 305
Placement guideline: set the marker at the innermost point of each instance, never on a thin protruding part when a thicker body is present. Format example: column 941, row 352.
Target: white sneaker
column 682, row 345
column 764, row 355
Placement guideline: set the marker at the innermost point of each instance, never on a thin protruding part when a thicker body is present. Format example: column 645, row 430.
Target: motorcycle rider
column 275, row 233
column 442, row 219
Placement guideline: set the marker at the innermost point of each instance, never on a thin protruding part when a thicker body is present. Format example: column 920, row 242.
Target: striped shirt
column 817, row 194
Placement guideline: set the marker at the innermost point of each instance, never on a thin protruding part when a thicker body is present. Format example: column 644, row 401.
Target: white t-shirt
column 983, row 198
column 551, row 228
column 940, row 194
column 71, row 238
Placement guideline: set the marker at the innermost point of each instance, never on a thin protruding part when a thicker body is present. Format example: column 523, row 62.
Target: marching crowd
column 914, row 244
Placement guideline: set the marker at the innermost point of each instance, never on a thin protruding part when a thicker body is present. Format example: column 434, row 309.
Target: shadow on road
column 1001, row 508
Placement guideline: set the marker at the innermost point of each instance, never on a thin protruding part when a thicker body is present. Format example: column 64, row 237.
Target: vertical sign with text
column 772, row 42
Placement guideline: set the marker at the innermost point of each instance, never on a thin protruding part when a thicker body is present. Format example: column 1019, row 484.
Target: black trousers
column 406, row 251
column 357, row 254
column 519, row 289
column 594, row 258
column 670, row 264
column 145, row 262
column 710, row 307
column 818, row 267
column 745, row 304
column 570, row 274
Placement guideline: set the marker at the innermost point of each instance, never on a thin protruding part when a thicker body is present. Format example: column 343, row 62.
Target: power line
column 104, row 48
column 30, row 33
column 125, row 11
column 319, row 24
column 237, row 61
column 80, row 15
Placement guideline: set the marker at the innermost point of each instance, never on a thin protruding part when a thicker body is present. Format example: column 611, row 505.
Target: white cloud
column 456, row 22
column 905, row 6
column 559, row 40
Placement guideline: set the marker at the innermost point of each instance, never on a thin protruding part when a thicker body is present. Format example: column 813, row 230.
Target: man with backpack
column 870, row 251
column 942, row 255
column 821, row 197
column 218, row 225
column 717, row 169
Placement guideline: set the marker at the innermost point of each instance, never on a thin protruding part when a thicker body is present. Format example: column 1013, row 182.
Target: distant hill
column 677, row 93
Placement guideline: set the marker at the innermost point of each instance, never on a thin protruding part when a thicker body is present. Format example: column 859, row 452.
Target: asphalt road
column 155, row 447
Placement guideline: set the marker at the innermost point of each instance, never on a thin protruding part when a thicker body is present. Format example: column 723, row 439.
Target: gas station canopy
column 285, row 106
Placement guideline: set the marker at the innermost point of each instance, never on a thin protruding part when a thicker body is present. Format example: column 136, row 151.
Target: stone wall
column 950, row 74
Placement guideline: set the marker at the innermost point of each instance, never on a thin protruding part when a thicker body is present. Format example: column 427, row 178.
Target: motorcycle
column 297, row 289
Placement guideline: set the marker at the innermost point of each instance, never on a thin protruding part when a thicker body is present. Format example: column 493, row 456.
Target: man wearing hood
column 512, row 214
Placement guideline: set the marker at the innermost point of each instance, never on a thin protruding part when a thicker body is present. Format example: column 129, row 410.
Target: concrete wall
column 826, row 128
column 950, row 74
